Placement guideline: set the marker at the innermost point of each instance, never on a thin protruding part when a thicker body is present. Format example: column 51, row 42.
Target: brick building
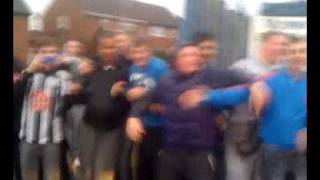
column 20, row 33
column 84, row 19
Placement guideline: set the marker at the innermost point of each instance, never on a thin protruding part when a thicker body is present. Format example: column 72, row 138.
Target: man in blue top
column 144, row 75
column 280, row 104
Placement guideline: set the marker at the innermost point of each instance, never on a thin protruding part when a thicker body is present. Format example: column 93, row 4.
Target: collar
column 146, row 66
column 109, row 67
column 299, row 76
column 183, row 77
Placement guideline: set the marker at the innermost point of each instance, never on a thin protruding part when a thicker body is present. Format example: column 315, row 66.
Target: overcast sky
column 175, row 6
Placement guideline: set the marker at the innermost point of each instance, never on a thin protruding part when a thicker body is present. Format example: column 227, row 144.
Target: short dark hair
column 139, row 42
column 268, row 34
column 199, row 37
column 296, row 39
column 182, row 46
column 104, row 35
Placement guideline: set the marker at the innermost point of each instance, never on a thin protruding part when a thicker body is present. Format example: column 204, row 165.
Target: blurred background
column 165, row 23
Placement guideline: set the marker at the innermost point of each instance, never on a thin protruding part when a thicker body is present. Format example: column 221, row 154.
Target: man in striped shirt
column 41, row 132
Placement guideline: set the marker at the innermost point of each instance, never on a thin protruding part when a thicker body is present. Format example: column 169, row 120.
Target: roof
column 19, row 7
column 285, row 9
column 131, row 9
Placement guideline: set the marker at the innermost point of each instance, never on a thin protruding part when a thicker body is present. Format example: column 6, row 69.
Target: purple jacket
column 192, row 129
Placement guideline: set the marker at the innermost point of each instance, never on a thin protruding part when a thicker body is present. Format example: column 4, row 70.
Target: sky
column 175, row 6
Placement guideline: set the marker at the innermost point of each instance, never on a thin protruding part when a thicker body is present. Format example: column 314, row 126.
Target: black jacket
column 103, row 111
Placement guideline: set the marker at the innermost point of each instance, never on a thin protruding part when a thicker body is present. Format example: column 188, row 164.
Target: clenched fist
column 134, row 129
column 36, row 65
column 136, row 93
column 86, row 68
column 118, row 88
column 259, row 96
column 192, row 98
column 74, row 88
column 156, row 108
column 301, row 140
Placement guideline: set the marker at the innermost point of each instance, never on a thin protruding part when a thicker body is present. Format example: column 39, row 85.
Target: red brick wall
column 20, row 37
column 85, row 27
column 69, row 8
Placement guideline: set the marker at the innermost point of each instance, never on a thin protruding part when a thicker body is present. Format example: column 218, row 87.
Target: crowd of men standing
column 129, row 115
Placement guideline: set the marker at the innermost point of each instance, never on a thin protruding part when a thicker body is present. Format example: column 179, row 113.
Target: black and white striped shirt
column 40, row 122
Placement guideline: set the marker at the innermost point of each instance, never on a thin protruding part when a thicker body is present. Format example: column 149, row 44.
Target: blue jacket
column 283, row 117
column 147, row 77
column 192, row 129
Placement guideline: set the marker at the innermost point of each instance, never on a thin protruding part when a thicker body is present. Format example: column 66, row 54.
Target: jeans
column 16, row 160
column 240, row 167
column 220, row 163
column 125, row 170
column 72, row 128
column 72, row 133
column 99, row 152
column 276, row 163
column 188, row 165
column 35, row 157
column 148, row 152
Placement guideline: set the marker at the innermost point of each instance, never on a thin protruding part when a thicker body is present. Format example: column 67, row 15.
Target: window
column 105, row 24
column 63, row 22
column 125, row 26
column 172, row 33
column 157, row 31
column 35, row 23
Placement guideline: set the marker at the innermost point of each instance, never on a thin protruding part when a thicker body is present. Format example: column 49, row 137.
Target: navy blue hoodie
column 192, row 129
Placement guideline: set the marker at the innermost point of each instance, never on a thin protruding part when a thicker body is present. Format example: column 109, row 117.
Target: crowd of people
column 126, row 114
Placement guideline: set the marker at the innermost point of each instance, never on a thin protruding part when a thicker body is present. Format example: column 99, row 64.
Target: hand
column 221, row 122
column 118, row 88
column 301, row 140
column 16, row 77
column 86, row 68
column 75, row 165
column 134, row 129
column 259, row 97
column 156, row 108
column 66, row 60
column 191, row 98
column 36, row 64
column 75, row 88
column 136, row 93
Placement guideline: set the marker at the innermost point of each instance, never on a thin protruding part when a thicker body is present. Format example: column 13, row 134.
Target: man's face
column 208, row 50
column 49, row 52
column 74, row 48
column 107, row 49
column 276, row 46
column 122, row 42
column 188, row 60
column 297, row 58
column 140, row 55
